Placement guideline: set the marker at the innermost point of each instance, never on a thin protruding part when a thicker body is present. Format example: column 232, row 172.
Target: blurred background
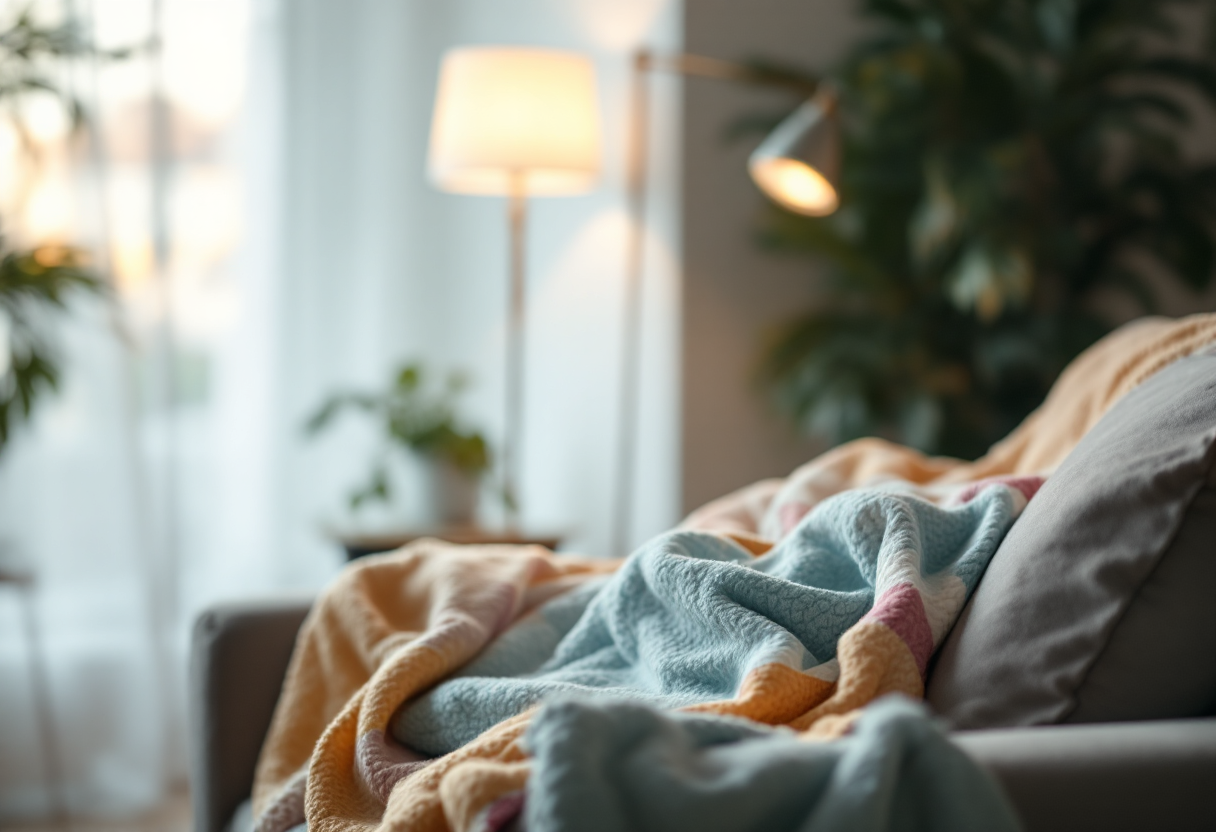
column 243, row 185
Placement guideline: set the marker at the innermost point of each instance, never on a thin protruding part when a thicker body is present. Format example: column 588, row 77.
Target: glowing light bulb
column 796, row 186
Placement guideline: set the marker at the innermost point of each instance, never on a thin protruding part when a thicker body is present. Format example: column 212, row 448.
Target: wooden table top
column 357, row 545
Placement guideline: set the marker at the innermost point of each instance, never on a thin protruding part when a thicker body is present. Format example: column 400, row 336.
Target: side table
column 358, row 545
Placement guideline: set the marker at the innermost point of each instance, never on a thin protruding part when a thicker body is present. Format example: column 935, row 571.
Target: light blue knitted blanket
column 693, row 617
column 624, row 767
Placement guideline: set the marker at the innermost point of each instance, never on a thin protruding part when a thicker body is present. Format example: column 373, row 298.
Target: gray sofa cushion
column 1166, row 640
column 1095, row 606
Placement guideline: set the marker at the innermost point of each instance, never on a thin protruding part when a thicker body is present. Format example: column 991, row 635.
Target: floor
column 171, row 816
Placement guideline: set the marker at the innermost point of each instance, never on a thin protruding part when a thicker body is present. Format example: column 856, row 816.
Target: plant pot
column 450, row 497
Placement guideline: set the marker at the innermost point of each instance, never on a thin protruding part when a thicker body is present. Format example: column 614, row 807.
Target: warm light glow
column 132, row 264
column 795, row 185
column 204, row 57
column 49, row 215
column 523, row 115
column 44, row 117
column 621, row 24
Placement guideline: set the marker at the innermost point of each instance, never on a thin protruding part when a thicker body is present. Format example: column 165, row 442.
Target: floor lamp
column 797, row 166
column 515, row 122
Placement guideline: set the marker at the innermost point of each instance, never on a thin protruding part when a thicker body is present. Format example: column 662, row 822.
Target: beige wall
column 733, row 293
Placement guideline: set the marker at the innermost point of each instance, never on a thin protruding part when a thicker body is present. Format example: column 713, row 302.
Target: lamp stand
column 686, row 65
column 517, row 217
column 627, row 416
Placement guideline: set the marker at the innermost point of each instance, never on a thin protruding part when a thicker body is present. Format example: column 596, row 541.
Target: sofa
column 1081, row 673
column 1135, row 776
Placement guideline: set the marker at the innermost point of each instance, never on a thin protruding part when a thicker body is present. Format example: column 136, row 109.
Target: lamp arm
column 692, row 65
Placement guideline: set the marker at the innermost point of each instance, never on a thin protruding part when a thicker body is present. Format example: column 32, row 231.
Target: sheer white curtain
column 281, row 242
column 140, row 491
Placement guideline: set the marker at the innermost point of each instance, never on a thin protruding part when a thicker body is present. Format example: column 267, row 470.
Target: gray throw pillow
column 1100, row 604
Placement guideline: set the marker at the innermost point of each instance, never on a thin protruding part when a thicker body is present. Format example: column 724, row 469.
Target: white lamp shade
column 510, row 118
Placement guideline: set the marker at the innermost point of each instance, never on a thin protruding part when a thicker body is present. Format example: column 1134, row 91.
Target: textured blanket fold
column 621, row 767
column 460, row 643
column 387, row 629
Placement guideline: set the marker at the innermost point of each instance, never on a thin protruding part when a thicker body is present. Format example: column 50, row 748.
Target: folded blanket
column 627, row 768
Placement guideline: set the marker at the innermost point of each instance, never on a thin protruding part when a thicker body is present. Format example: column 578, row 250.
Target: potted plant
column 423, row 423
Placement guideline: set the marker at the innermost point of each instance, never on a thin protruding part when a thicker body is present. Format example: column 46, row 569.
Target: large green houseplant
column 1006, row 162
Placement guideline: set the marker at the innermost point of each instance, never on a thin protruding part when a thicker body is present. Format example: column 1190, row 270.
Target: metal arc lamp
column 515, row 122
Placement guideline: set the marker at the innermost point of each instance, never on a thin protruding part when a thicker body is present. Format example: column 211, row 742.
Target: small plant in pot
column 424, row 423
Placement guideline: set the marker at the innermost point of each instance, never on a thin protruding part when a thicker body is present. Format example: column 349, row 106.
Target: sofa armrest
column 1132, row 776
column 239, row 656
